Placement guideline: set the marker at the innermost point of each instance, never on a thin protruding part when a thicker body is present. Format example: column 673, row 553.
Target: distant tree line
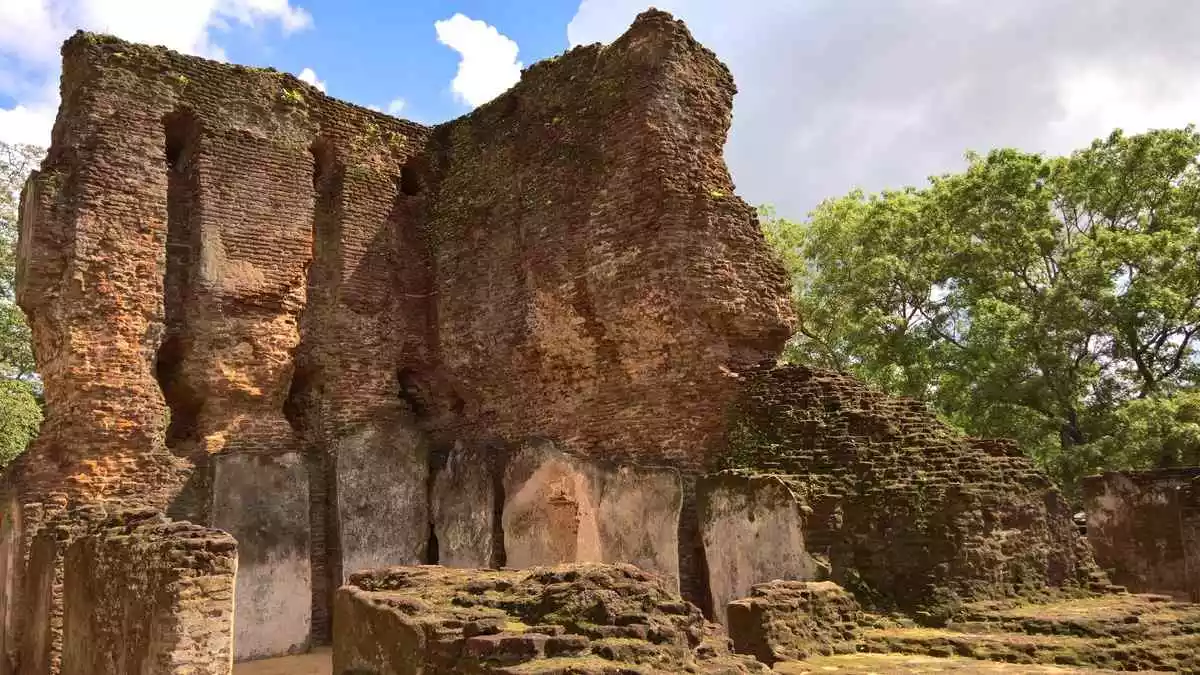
column 1052, row 300
column 20, row 388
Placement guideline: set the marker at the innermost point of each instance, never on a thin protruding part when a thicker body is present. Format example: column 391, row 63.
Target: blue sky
column 372, row 53
column 833, row 94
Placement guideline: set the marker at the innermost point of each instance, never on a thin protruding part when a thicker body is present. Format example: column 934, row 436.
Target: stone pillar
column 382, row 497
column 558, row 508
column 262, row 500
column 753, row 532
column 463, row 509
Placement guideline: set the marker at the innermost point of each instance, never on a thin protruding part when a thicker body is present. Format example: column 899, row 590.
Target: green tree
column 20, row 408
column 1054, row 300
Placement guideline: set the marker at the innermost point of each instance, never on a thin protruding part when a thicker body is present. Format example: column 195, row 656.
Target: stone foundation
column 583, row 618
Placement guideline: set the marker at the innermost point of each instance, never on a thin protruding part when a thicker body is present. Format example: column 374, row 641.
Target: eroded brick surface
column 793, row 620
column 581, row 618
column 143, row 594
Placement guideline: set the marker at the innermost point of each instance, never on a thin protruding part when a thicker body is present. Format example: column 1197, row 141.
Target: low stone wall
column 794, row 620
column 113, row 588
column 580, row 618
column 1142, row 527
column 146, row 595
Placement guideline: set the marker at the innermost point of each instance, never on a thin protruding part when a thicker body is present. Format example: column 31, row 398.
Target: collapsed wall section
column 900, row 509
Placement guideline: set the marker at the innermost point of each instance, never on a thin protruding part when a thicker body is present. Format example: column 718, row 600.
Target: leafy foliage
column 1051, row 300
column 20, row 408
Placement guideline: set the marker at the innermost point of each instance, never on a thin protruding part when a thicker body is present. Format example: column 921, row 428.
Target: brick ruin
column 542, row 333
column 1145, row 529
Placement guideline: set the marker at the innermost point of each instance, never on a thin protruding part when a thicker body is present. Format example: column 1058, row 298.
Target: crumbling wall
column 1189, row 525
column 1137, row 523
column 149, row 596
column 166, row 258
column 906, row 513
column 622, row 276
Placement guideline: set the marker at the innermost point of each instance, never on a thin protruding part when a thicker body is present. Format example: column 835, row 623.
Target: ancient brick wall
column 905, row 512
column 1137, row 523
column 329, row 333
column 621, row 275
column 234, row 280
column 1189, row 525
column 167, row 252
column 143, row 594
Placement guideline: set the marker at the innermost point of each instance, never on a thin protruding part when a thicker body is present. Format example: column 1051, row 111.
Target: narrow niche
column 301, row 407
column 182, row 132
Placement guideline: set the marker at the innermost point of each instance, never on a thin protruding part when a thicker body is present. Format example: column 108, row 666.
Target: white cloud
column 395, row 106
column 309, row 76
column 31, row 32
column 22, row 124
column 488, row 63
column 839, row 94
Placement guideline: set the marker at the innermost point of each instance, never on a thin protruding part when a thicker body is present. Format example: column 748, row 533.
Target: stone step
column 1173, row 653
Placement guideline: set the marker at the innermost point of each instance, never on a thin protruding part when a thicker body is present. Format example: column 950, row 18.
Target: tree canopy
column 1053, row 300
column 20, row 409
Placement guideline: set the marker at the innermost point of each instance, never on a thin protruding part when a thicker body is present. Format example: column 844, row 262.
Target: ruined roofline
column 128, row 53
column 131, row 79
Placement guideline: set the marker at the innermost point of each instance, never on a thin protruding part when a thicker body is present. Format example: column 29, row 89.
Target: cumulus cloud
column 853, row 93
column 395, row 106
column 31, row 32
column 309, row 76
column 488, row 62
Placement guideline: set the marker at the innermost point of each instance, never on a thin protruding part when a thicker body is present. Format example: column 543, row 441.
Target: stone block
column 262, row 500
column 559, row 508
column 463, row 509
column 794, row 620
column 638, row 517
column 382, row 497
column 549, row 514
column 753, row 532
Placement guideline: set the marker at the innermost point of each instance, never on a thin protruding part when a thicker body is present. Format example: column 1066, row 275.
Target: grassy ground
column 862, row 664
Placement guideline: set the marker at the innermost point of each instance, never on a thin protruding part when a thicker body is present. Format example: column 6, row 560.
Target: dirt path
column 316, row 663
